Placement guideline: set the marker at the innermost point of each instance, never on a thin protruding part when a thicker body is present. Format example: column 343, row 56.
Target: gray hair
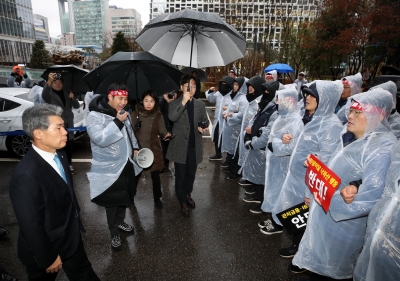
column 37, row 117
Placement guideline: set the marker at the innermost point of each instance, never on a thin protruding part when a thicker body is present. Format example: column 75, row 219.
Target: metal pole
column 191, row 53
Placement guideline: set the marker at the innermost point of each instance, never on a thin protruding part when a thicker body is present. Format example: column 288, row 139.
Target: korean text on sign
column 320, row 179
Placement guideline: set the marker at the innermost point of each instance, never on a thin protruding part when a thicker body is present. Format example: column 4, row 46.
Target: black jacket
column 46, row 209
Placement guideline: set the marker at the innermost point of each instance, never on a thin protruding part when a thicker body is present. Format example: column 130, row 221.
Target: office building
column 90, row 23
column 127, row 21
column 258, row 20
column 41, row 28
column 69, row 39
column 16, row 31
column 63, row 6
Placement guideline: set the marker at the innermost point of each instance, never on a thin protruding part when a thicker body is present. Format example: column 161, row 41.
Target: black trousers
column 234, row 162
column 185, row 175
column 164, row 146
column 77, row 267
column 216, row 139
column 155, row 177
column 115, row 216
column 259, row 192
column 69, row 147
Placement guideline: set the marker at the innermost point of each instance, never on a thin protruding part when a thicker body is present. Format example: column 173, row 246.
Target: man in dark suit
column 44, row 202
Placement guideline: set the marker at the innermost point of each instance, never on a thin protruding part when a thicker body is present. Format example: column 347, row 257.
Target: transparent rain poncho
column 225, row 102
column 394, row 117
column 233, row 124
column 332, row 241
column 248, row 114
column 355, row 83
column 253, row 169
column 277, row 162
column 35, row 95
column 320, row 136
column 380, row 257
column 111, row 150
column 215, row 97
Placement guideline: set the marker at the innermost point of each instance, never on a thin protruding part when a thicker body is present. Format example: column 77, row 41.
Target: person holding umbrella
column 53, row 93
column 186, row 149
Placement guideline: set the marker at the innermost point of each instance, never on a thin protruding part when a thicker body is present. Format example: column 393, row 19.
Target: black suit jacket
column 46, row 209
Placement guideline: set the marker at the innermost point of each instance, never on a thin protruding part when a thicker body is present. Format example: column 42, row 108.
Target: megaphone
column 144, row 158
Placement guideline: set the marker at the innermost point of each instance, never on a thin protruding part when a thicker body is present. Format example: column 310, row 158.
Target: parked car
column 13, row 102
column 384, row 78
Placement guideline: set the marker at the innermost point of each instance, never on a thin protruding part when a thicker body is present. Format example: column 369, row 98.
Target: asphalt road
column 220, row 240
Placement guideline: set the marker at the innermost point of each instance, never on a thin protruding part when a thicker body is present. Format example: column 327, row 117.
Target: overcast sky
column 49, row 9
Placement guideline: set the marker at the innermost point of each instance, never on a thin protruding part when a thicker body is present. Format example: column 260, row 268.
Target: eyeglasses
column 356, row 113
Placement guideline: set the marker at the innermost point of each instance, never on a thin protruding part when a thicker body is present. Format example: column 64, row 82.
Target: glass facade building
column 90, row 26
column 260, row 20
column 16, row 31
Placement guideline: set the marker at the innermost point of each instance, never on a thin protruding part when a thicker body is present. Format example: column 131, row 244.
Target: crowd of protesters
column 264, row 133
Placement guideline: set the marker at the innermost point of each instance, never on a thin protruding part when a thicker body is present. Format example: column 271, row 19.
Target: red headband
column 345, row 82
column 269, row 75
column 368, row 108
column 122, row 93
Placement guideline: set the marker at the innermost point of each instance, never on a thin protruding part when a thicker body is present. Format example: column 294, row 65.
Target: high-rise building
column 16, row 31
column 257, row 20
column 90, row 24
column 41, row 28
column 69, row 39
column 127, row 21
column 66, row 11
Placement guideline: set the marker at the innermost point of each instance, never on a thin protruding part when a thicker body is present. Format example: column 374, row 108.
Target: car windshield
column 23, row 96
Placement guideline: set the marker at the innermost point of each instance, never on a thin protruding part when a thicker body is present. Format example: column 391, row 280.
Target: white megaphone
column 144, row 158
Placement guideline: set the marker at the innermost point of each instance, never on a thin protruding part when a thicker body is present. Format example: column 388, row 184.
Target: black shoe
column 251, row 199
column 296, row 269
column 159, row 204
column 244, row 182
column 116, row 242
column 232, row 176
column 225, row 165
column 7, row 277
column 271, row 229
column 3, row 231
column 215, row 158
column 190, row 202
column 256, row 209
column 226, row 170
column 185, row 210
column 125, row 227
column 250, row 189
column 288, row 252
column 262, row 224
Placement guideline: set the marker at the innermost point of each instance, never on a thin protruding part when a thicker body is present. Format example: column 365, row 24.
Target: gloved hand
column 270, row 147
column 25, row 76
column 12, row 74
column 248, row 145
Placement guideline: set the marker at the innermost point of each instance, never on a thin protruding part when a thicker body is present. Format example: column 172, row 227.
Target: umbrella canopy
column 279, row 67
column 192, row 38
column 139, row 71
column 72, row 77
column 201, row 74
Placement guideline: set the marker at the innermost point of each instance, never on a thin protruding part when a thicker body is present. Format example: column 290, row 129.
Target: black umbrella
column 201, row 74
column 72, row 77
column 139, row 71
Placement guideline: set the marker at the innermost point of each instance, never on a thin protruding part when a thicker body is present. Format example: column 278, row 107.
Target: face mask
column 224, row 89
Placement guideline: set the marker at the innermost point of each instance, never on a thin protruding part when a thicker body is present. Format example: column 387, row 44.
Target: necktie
column 60, row 167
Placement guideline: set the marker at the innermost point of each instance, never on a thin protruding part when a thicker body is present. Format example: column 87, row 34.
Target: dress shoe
column 190, row 202
column 185, row 210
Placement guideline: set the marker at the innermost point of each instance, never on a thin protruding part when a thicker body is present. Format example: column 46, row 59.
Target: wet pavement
column 220, row 240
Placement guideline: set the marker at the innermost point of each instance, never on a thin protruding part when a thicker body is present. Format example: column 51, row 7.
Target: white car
column 13, row 102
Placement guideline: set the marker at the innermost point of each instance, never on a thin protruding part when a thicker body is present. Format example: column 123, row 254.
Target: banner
column 295, row 218
column 320, row 179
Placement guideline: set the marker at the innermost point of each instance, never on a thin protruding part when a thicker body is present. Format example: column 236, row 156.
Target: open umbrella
column 279, row 67
column 72, row 77
column 192, row 38
column 201, row 74
column 139, row 71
